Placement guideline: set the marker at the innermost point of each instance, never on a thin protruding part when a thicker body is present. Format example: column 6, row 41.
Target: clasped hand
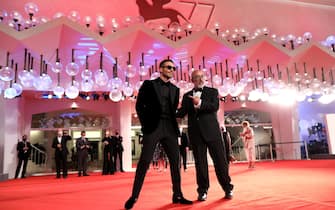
column 195, row 99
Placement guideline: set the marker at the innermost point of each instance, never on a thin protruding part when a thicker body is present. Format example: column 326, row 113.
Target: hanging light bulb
column 72, row 91
column 101, row 76
column 223, row 90
column 115, row 95
column 143, row 70
column 7, row 73
column 100, row 21
column 31, row 9
column 15, row 85
column 74, row 16
column 58, row 91
column 87, row 85
column 28, row 75
column 130, row 70
column 57, row 67
column 128, row 89
column 3, row 15
column 217, row 27
column 217, row 79
column 86, row 74
column 307, row 36
column 115, row 25
column 58, row 15
column 206, row 72
column 43, row 82
column 87, row 21
column 115, row 82
column 127, row 21
column 16, row 16
column 10, row 93
column 72, row 69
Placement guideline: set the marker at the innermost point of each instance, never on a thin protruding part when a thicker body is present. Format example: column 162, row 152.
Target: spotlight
column 105, row 96
column 95, row 96
column 74, row 105
column 224, row 99
column 234, row 99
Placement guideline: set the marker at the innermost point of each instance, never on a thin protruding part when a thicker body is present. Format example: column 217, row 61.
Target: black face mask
column 24, row 139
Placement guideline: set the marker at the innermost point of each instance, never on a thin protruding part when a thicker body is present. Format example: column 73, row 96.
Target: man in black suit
column 117, row 150
column 201, row 105
column 59, row 144
column 82, row 146
column 156, row 106
column 24, row 150
column 108, row 164
column 183, row 147
column 227, row 143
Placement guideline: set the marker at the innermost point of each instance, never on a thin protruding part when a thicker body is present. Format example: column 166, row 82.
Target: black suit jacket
column 80, row 142
column 204, row 119
column 148, row 105
column 63, row 149
column 23, row 154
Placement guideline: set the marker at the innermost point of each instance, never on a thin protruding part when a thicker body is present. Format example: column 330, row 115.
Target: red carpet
column 271, row 185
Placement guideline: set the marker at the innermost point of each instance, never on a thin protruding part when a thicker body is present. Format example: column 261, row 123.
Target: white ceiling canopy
column 127, row 49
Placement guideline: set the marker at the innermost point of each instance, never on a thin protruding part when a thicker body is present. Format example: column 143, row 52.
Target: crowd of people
column 158, row 108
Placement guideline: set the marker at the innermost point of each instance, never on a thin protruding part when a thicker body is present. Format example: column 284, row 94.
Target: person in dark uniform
column 61, row 152
column 227, row 143
column 156, row 106
column 183, row 147
column 201, row 105
column 24, row 150
column 108, row 163
column 117, row 150
column 82, row 146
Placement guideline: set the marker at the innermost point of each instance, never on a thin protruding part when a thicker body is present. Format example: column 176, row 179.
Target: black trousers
column 82, row 161
column 116, row 155
column 61, row 163
column 217, row 152
column 183, row 155
column 18, row 168
column 108, row 164
column 166, row 134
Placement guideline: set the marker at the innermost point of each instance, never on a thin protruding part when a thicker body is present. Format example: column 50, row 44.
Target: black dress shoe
column 229, row 195
column 181, row 200
column 130, row 203
column 202, row 197
column 85, row 174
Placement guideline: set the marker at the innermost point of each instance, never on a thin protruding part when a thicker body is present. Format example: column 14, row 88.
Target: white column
column 330, row 128
column 122, row 122
column 9, row 135
column 285, row 128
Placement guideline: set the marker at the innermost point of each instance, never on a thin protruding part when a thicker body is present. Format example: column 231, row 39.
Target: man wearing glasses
column 156, row 106
column 201, row 105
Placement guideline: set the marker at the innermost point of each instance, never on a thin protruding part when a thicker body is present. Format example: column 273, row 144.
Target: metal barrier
column 38, row 156
column 272, row 152
column 276, row 151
